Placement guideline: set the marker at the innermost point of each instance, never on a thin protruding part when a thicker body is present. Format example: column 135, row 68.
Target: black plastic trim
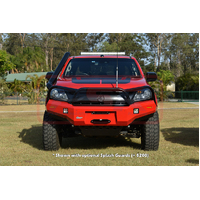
column 60, row 87
column 127, row 93
column 140, row 88
column 97, row 80
column 57, row 117
column 99, row 121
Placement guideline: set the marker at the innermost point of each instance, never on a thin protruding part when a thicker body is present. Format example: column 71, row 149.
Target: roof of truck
column 100, row 56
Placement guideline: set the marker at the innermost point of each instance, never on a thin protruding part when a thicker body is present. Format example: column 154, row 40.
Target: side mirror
column 48, row 75
column 151, row 76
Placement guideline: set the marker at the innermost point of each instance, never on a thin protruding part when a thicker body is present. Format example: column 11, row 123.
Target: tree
column 131, row 44
column 93, row 40
column 177, row 52
column 14, row 43
column 18, row 86
column 1, row 40
column 4, row 90
column 106, row 47
column 157, row 42
column 188, row 82
column 22, row 38
column 68, row 42
column 31, row 60
column 45, row 42
column 52, row 45
column 184, row 50
column 165, row 77
column 36, row 83
column 5, row 63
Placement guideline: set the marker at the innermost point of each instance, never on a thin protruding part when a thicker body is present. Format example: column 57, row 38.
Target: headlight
column 143, row 94
column 58, row 94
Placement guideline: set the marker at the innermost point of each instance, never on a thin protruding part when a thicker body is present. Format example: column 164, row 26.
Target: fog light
column 65, row 110
column 136, row 110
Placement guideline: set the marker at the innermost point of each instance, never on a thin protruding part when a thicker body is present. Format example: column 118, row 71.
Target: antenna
column 117, row 75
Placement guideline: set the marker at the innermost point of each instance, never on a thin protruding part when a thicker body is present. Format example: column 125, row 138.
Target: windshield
column 101, row 66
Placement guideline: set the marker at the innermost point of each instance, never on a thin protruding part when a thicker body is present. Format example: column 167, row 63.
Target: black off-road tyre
column 150, row 133
column 52, row 137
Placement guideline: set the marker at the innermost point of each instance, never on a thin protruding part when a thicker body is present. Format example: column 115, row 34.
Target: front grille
column 100, row 97
column 99, row 104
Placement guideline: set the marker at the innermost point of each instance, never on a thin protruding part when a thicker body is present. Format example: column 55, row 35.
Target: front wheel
column 150, row 133
column 52, row 138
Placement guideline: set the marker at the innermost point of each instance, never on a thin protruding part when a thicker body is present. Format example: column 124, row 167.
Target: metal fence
column 184, row 96
column 15, row 98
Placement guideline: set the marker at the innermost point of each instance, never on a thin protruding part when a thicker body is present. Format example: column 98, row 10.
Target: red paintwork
column 135, row 82
column 119, row 116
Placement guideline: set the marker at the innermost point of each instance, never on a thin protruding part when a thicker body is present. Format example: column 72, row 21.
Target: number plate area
column 100, row 118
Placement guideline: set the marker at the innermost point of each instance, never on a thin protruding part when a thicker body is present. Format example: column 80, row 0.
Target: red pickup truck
column 97, row 95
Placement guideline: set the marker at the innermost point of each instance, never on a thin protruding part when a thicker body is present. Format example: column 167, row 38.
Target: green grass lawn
column 21, row 142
